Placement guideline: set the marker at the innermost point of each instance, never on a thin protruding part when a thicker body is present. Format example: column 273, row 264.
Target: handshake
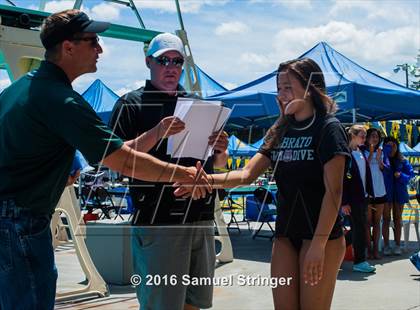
column 194, row 183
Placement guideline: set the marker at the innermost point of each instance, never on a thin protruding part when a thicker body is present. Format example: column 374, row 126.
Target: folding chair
column 93, row 178
column 105, row 203
column 98, row 198
column 87, row 197
column 122, row 200
column 265, row 205
column 231, row 206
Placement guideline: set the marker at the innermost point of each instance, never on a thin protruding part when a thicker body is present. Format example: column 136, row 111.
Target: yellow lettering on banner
column 395, row 130
column 382, row 128
column 409, row 131
column 383, row 124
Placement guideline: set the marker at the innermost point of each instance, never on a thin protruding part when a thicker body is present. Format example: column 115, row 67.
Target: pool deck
column 395, row 285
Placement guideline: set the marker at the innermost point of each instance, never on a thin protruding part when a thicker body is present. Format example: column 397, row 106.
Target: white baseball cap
column 163, row 43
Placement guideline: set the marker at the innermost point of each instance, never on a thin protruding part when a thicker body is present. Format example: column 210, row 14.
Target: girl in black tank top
column 307, row 153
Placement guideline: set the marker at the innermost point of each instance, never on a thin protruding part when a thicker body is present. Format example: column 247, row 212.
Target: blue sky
column 238, row 41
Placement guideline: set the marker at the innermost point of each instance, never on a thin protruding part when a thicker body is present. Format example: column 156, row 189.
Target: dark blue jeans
column 27, row 270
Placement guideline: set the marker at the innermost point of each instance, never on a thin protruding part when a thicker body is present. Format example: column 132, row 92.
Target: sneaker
column 397, row 250
column 364, row 267
column 387, row 250
column 415, row 259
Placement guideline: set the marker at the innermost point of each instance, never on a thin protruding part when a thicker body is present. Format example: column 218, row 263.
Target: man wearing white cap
column 165, row 226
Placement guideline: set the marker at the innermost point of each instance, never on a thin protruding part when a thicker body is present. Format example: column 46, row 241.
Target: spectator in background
column 397, row 173
column 373, row 153
column 356, row 191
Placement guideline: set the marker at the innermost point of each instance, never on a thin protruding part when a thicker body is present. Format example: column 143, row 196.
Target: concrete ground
column 395, row 285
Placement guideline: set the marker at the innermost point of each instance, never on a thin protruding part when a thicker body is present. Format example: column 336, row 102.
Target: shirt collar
column 151, row 89
column 48, row 69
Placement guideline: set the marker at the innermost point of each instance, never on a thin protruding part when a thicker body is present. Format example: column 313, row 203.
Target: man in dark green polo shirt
column 42, row 122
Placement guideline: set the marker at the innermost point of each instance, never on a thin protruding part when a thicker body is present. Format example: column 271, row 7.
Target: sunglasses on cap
column 94, row 41
column 166, row 61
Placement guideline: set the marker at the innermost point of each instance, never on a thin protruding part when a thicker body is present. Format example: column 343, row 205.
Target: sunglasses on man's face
column 166, row 61
column 94, row 41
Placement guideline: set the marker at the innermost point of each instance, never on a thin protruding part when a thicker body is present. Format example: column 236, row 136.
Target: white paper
column 201, row 119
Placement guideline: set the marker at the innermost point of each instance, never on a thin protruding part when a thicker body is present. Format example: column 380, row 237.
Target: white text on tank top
column 294, row 149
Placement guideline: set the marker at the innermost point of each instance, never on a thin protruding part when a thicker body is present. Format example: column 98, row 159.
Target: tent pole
column 191, row 75
column 42, row 4
column 354, row 115
column 136, row 12
column 78, row 4
column 250, row 134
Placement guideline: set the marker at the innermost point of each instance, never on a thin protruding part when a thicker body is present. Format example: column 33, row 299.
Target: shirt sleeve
column 407, row 172
column 74, row 120
column 333, row 142
column 123, row 118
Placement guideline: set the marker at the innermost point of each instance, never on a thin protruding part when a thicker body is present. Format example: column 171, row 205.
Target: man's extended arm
column 145, row 167
column 168, row 126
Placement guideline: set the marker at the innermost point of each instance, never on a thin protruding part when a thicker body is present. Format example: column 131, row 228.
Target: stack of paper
column 201, row 119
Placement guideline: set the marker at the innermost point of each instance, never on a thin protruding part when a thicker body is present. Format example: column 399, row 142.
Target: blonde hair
column 354, row 130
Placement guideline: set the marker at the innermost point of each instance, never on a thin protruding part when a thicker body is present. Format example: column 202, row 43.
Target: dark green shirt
column 42, row 122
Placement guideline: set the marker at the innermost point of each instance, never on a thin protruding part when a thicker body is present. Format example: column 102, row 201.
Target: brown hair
column 310, row 76
column 370, row 131
column 48, row 27
column 394, row 140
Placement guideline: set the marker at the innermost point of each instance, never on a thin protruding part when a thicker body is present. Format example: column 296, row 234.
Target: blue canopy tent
column 237, row 147
column 209, row 87
column 360, row 94
column 252, row 104
column 101, row 98
column 258, row 144
column 408, row 151
column 80, row 164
